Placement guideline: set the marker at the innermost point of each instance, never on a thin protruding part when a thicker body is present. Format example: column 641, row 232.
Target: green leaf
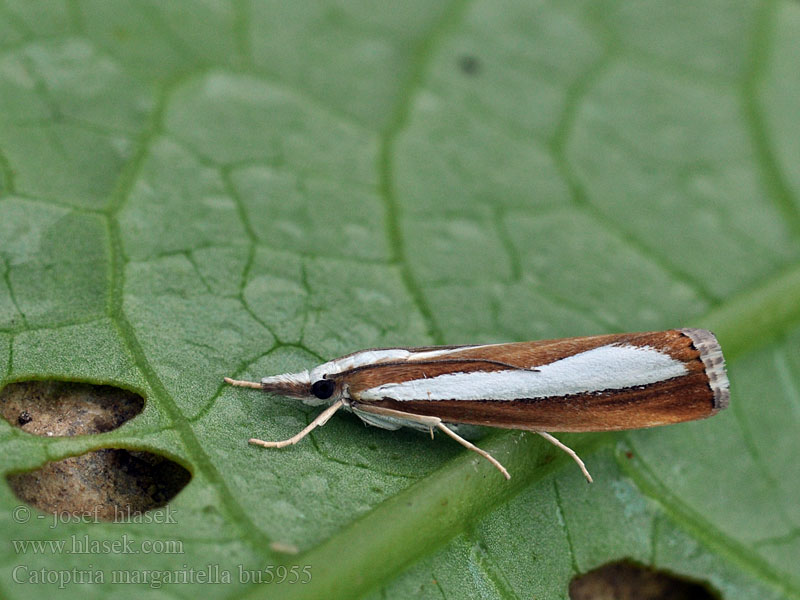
column 194, row 190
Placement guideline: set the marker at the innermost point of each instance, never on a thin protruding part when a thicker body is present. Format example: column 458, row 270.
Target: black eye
column 323, row 389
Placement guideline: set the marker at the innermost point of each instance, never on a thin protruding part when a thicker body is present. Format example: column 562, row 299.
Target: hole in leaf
column 61, row 408
column 626, row 580
column 104, row 484
column 108, row 484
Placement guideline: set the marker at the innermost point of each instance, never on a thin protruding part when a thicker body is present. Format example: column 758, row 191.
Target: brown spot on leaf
column 469, row 64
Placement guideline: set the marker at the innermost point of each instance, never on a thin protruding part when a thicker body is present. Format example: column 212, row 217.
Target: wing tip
column 710, row 351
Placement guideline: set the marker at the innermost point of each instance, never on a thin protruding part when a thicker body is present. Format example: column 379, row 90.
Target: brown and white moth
column 595, row 383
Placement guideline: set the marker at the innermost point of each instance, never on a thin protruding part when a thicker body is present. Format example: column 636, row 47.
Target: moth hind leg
column 569, row 451
column 429, row 423
column 474, row 448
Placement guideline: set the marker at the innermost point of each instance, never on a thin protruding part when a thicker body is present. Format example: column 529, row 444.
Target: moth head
column 300, row 385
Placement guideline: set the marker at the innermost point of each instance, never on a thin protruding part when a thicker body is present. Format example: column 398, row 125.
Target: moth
column 595, row 383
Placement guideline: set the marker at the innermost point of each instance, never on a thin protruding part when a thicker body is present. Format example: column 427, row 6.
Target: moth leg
column 474, row 448
column 431, row 422
column 321, row 419
column 569, row 451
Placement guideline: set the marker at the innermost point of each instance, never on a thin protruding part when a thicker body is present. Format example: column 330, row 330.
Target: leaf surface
column 194, row 190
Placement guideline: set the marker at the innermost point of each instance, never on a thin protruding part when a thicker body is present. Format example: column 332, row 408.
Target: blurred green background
column 196, row 189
